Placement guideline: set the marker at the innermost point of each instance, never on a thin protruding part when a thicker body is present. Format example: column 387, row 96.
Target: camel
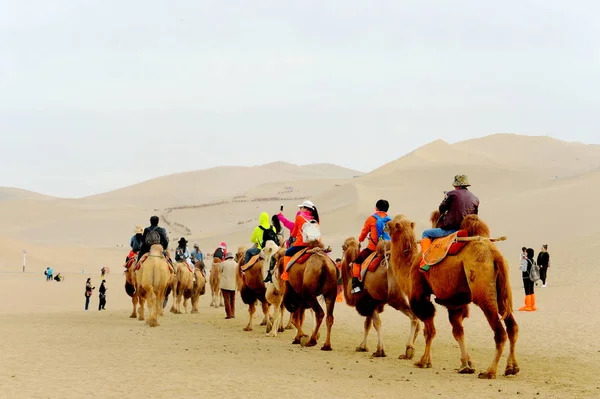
column 306, row 282
column 478, row 274
column 130, row 289
column 184, row 286
column 215, row 284
column 151, row 283
column 276, row 289
column 380, row 288
column 199, row 288
column 171, row 288
column 252, row 288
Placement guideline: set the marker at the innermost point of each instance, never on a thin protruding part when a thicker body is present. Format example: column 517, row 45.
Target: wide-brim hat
column 139, row 229
column 461, row 181
column 182, row 240
column 307, row 204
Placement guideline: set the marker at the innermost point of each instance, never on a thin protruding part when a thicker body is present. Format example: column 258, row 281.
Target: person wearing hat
column 457, row 204
column 308, row 212
column 228, row 270
column 135, row 243
column 182, row 253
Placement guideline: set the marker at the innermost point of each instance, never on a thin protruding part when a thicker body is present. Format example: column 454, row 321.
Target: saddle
column 188, row 266
column 146, row 255
column 302, row 256
column 442, row 247
column 250, row 263
column 370, row 264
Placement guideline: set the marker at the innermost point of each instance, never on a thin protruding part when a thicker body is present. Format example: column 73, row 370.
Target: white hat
column 307, row 204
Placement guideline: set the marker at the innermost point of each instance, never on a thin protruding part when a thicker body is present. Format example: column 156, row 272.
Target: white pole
column 24, row 259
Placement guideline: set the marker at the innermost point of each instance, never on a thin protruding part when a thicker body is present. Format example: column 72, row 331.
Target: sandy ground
column 52, row 348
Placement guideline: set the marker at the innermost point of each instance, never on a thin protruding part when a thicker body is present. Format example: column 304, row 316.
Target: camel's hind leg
column 380, row 352
column 415, row 327
column 174, row 305
column 221, row 301
column 273, row 327
column 297, row 319
column 152, row 320
column 289, row 325
column 456, row 317
column 319, row 315
column 134, row 302
column 363, row 345
column 330, row 304
column 185, row 304
column 267, row 313
column 251, row 311
column 281, row 308
column 142, row 303
column 491, row 314
column 512, row 368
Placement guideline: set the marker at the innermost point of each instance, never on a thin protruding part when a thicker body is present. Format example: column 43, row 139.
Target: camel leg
column 298, row 321
column 134, row 302
column 330, row 304
column 142, row 303
column 152, row 301
column 491, row 314
column 281, row 308
column 195, row 300
column 173, row 306
column 512, row 368
column 185, row 304
column 267, row 314
column 425, row 361
column 251, row 311
column 456, row 317
column 363, row 345
column 415, row 327
column 314, row 304
column 377, row 324
column 276, row 320
column 289, row 325
column 221, row 303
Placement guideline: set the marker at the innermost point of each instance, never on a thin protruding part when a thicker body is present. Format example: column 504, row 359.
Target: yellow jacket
column 257, row 234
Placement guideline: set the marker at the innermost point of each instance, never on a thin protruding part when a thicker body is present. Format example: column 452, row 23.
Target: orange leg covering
column 356, row 270
column 425, row 244
column 285, row 276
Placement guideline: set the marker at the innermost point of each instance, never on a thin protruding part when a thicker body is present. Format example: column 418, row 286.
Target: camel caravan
column 456, row 262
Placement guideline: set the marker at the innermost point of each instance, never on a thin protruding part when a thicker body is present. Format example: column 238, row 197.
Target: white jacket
column 228, row 270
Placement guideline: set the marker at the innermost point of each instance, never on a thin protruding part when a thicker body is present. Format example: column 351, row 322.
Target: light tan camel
column 381, row 287
column 478, row 274
column 306, row 282
column 184, row 286
column 275, row 289
column 151, row 283
column 130, row 289
column 215, row 284
column 199, row 288
column 252, row 288
column 172, row 289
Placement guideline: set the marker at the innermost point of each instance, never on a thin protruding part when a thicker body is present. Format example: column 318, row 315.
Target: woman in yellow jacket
column 261, row 234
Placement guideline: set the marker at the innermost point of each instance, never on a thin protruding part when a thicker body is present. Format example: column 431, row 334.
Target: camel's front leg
column 266, row 313
column 251, row 311
column 380, row 352
column 363, row 345
column 134, row 302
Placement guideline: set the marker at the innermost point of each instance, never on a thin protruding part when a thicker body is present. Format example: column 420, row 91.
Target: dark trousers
column 87, row 302
column 528, row 284
column 102, row 303
column 543, row 271
column 363, row 255
column 229, row 299
column 293, row 250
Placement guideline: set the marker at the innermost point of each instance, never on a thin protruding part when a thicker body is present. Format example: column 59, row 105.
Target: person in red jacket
column 371, row 232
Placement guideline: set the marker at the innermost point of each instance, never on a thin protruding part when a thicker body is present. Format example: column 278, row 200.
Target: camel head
column 239, row 255
column 270, row 249
column 402, row 231
column 475, row 226
column 434, row 218
column 349, row 250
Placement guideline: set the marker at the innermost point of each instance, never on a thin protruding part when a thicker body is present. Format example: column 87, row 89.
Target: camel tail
column 503, row 290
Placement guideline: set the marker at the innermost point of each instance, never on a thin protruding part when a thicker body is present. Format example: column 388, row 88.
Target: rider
column 182, row 253
column 308, row 212
column 457, row 204
column 163, row 240
column 220, row 252
column 197, row 254
column 261, row 234
column 370, row 230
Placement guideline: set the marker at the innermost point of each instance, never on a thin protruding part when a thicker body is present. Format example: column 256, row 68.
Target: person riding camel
column 182, row 253
column 154, row 234
column 373, row 229
column 308, row 213
column 457, row 204
column 261, row 234
column 219, row 253
column 135, row 243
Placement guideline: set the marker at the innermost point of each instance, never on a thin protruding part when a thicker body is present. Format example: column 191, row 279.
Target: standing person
column 526, row 265
column 50, row 273
column 261, row 234
column 89, row 289
column 102, row 296
column 523, row 254
column 543, row 261
column 228, row 271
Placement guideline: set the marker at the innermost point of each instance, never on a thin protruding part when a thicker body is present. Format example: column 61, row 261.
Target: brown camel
column 380, row 288
column 215, row 284
column 252, row 288
column 130, row 289
column 478, row 274
column 306, row 282
column 199, row 288
column 184, row 286
column 152, row 279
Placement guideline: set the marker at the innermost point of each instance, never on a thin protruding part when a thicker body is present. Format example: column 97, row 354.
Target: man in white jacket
column 228, row 271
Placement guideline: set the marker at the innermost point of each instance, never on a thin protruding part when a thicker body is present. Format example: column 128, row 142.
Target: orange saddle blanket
column 250, row 263
column 300, row 257
column 444, row 246
column 370, row 264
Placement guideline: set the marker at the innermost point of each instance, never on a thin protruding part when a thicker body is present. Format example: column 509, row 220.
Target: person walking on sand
column 228, row 270
column 543, row 261
column 102, row 296
column 89, row 289
column 526, row 265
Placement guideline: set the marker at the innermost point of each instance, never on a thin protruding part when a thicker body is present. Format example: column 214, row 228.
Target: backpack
column 534, row 272
column 380, row 225
column 311, row 231
column 153, row 237
column 269, row 234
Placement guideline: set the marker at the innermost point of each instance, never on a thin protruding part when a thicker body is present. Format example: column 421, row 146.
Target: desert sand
column 534, row 190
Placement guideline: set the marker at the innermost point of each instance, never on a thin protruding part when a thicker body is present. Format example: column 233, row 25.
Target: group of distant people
column 89, row 290
column 532, row 271
column 49, row 273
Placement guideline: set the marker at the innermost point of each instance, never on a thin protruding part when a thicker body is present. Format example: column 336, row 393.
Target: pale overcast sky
column 96, row 95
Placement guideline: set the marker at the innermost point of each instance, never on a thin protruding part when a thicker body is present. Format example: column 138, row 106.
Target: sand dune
column 17, row 194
